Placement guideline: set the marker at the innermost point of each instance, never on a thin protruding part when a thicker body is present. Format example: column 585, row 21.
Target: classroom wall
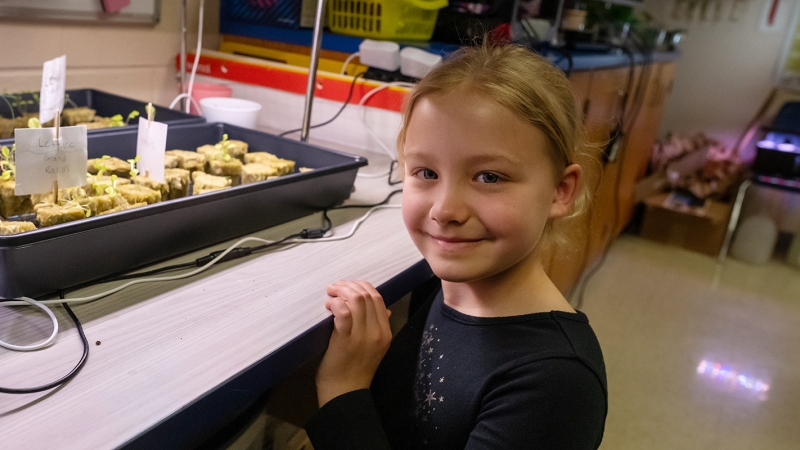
column 130, row 60
column 727, row 66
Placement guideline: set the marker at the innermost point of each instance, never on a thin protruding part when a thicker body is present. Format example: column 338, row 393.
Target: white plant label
column 54, row 80
column 150, row 147
column 42, row 159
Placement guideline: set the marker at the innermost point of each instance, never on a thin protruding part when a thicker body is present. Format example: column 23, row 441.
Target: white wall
column 133, row 61
column 726, row 69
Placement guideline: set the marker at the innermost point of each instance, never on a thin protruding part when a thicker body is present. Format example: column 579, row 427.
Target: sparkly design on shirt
column 426, row 384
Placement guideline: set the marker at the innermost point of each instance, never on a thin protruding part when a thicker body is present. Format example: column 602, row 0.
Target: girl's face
column 479, row 186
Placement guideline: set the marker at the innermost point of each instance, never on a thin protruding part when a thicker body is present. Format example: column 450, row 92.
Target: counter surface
column 158, row 349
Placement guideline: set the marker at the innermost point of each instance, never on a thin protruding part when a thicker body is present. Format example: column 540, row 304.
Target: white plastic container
column 205, row 90
column 235, row 111
column 380, row 54
column 417, row 63
column 755, row 240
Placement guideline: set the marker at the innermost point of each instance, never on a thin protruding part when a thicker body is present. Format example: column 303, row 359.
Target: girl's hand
column 361, row 336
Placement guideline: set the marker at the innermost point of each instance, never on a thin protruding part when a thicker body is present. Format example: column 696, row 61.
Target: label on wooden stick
column 150, row 147
column 41, row 159
column 54, row 80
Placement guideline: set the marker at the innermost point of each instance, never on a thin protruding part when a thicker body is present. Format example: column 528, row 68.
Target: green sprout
column 34, row 122
column 133, row 115
column 99, row 166
column 87, row 211
column 134, row 170
column 222, row 148
column 116, row 121
column 112, row 190
column 79, row 194
column 7, row 162
column 102, row 188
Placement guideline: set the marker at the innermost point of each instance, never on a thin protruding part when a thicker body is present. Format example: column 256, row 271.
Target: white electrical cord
column 347, row 61
column 43, row 344
column 196, row 54
column 362, row 116
column 80, row 300
column 188, row 93
column 194, row 102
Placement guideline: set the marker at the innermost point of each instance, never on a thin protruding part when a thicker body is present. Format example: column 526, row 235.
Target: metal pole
column 552, row 36
column 312, row 70
column 183, row 55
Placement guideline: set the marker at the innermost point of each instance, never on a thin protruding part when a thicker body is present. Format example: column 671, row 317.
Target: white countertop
column 157, row 347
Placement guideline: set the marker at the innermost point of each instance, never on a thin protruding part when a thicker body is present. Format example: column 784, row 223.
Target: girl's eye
column 428, row 174
column 488, row 177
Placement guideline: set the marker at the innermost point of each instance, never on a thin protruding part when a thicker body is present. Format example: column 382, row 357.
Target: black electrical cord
column 534, row 39
column 393, row 166
column 372, row 205
column 346, row 102
column 637, row 103
column 641, row 92
column 71, row 373
column 568, row 55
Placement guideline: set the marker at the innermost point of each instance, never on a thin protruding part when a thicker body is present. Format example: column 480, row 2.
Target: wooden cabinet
column 599, row 97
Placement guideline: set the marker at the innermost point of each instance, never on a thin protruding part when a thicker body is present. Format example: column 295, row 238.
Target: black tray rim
column 188, row 119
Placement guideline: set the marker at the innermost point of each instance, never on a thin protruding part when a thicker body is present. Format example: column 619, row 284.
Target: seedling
column 7, row 162
column 34, row 122
column 222, row 149
column 102, row 188
column 73, row 201
column 134, row 169
column 134, row 114
column 99, row 166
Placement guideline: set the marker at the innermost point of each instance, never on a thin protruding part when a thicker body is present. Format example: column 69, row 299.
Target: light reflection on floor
column 694, row 366
column 726, row 378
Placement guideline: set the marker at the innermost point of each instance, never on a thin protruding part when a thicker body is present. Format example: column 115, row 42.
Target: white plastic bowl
column 234, row 111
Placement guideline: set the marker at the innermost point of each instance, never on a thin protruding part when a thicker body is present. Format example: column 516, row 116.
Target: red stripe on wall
column 294, row 81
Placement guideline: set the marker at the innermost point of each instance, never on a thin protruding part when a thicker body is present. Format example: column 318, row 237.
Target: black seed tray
column 49, row 259
column 107, row 105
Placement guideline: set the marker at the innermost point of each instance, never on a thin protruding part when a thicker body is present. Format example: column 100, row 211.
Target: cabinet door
column 642, row 133
column 614, row 198
column 565, row 264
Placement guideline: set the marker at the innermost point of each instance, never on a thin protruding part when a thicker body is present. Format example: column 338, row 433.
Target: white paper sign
column 150, row 147
column 41, row 159
column 54, row 79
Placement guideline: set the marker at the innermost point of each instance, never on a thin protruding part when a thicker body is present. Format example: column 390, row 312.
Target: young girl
column 498, row 359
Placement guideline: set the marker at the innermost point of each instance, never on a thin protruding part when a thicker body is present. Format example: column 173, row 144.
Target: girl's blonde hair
column 526, row 84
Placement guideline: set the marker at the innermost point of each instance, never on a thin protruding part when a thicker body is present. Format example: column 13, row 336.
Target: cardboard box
column 698, row 231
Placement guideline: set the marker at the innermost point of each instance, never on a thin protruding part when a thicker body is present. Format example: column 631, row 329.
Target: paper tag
column 41, row 159
column 150, row 147
column 51, row 98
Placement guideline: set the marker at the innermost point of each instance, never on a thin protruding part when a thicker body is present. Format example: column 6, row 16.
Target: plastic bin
column 106, row 105
column 274, row 13
column 385, row 19
column 52, row 258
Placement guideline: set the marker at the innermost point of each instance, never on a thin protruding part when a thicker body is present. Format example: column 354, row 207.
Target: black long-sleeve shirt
column 453, row 381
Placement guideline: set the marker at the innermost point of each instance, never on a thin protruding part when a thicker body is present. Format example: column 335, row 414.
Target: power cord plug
column 313, row 233
column 238, row 252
